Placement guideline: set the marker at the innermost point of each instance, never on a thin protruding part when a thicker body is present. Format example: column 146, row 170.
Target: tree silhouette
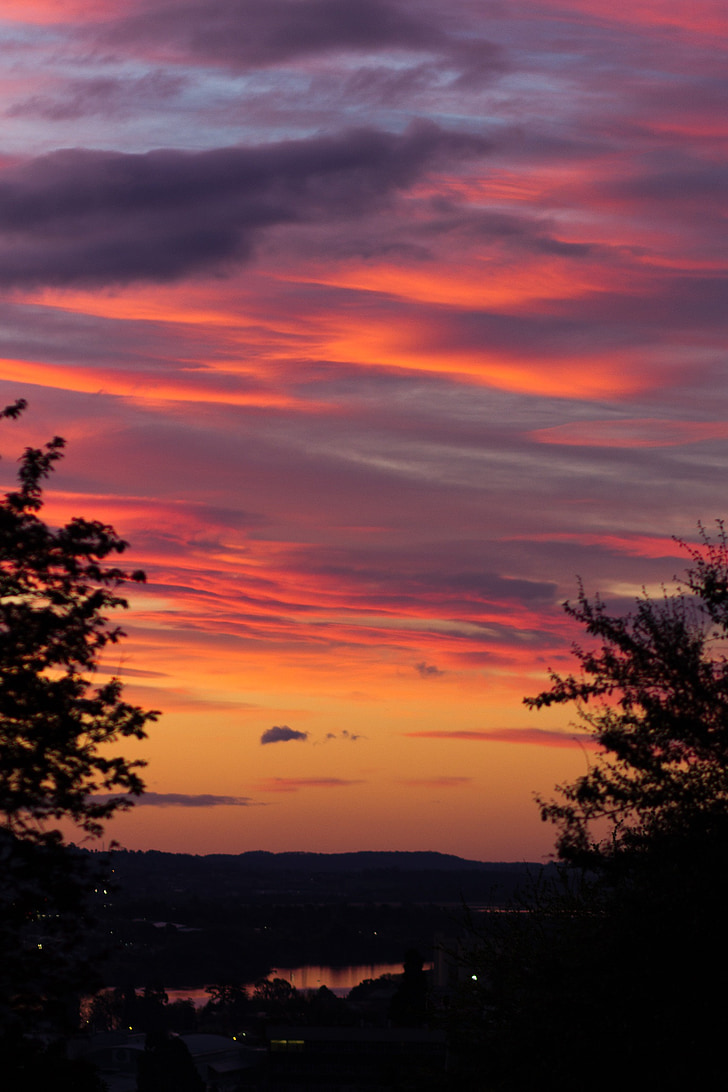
column 277, row 998
column 608, row 980
column 167, row 1066
column 56, row 730
column 653, row 691
column 228, row 1006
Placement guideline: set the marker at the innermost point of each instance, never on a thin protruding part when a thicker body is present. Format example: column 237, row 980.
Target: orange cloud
column 631, row 432
column 633, row 545
column 435, row 782
column 706, row 17
column 47, row 11
column 539, row 736
column 143, row 387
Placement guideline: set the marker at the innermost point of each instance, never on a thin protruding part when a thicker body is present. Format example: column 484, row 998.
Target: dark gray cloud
column 179, row 800
column 282, row 734
column 392, row 578
column 352, row 737
column 245, row 35
column 79, row 216
column 427, row 671
column 122, row 671
column 242, row 34
column 668, row 178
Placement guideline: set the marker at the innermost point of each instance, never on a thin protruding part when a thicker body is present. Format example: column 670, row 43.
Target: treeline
column 316, row 877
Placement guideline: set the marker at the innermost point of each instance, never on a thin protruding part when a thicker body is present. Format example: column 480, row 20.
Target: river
column 338, row 979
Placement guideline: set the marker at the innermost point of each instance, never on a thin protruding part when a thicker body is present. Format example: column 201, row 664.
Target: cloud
column 543, row 736
column 427, row 671
column 632, row 432
column 102, row 96
column 352, row 737
column 282, row 734
column 104, row 217
column 434, row 782
column 391, row 578
column 121, row 670
column 243, row 34
column 295, row 784
column 179, row 800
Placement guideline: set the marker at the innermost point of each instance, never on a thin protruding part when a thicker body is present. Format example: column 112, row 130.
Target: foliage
column 622, row 956
column 278, row 999
column 32, row 1067
column 167, row 1066
column 653, row 691
column 227, row 1007
column 56, row 727
column 55, row 590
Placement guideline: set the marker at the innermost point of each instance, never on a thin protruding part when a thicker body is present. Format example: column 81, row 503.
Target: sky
column 372, row 326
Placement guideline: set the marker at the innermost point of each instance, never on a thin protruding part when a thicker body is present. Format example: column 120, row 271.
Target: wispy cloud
column 295, row 784
column 541, row 736
column 434, row 782
column 245, row 34
column 181, row 800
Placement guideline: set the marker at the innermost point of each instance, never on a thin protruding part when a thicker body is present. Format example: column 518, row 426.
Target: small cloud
column 542, row 736
column 281, row 734
column 135, row 672
column 178, row 800
column 427, row 671
column 293, row 784
column 352, row 737
column 434, row 782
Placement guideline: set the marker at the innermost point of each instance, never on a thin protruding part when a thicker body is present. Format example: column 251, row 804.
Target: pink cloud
column 645, row 432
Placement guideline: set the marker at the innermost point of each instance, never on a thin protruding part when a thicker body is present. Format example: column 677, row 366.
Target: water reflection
column 338, row 979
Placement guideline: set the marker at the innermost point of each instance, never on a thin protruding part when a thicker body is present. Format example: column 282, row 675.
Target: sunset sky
column 372, row 325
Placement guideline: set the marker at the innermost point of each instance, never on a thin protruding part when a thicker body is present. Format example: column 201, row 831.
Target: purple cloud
column 101, row 96
column 282, row 734
column 179, row 800
column 98, row 217
column 242, row 34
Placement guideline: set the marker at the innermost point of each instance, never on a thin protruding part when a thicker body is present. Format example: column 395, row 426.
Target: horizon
column 312, row 853
column 373, row 328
